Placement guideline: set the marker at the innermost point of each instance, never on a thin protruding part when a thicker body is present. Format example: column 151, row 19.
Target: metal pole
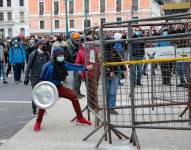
column 51, row 19
column 132, row 8
column 66, row 15
column 86, row 15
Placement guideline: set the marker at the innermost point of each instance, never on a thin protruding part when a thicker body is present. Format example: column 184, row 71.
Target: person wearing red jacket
column 92, row 77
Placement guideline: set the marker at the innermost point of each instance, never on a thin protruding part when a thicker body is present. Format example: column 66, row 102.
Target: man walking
column 36, row 61
column 17, row 58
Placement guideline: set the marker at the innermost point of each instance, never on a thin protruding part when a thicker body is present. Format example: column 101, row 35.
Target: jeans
column 3, row 69
column 182, row 71
column 77, row 79
column 17, row 71
column 67, row 93
column 137, row 71
column 112, row 84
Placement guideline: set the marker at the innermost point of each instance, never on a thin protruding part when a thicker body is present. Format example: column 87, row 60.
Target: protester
column 36, row 61
column 54, row 71
column 17, row 58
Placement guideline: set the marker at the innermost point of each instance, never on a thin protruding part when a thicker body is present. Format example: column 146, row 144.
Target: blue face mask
column 16, row 45
column 60, row 58
column 138, row 33
column 165, row 33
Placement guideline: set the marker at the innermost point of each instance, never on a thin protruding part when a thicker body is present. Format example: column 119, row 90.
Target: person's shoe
column 37, row 126
column 34, row 114
column 114, row 112
column 5, row 82
column 185, row 86
column 145, row 74
column 82, row 95
column 121, row 84
column 139, row 84
column 45, row 113
column 16, row 82
column 180, row 85
column 83, row 121
column 79, row 96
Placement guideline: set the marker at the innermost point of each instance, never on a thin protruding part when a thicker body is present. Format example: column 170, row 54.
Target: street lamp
column 66, row 15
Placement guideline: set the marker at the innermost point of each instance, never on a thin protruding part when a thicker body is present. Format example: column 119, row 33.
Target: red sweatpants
column 68, row 94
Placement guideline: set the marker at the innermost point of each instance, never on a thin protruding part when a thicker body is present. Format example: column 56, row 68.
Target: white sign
column 183, row 52
column 160, row 52
column 92, row 56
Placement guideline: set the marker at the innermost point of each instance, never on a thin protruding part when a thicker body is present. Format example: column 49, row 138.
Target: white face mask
column 60, row 58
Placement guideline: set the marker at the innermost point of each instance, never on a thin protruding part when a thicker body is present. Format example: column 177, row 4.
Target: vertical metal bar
column 132, row 82
column 152, row 85
column 51, row 18
column 66, row 15
column 104, row 87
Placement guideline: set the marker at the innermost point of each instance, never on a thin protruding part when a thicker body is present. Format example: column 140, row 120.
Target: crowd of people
column 48, row 58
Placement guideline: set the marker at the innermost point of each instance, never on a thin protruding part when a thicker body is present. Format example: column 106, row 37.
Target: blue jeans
column 137, row 71
column 17, row 71
column 112, row 84
column 3, row 71
column 182, row 71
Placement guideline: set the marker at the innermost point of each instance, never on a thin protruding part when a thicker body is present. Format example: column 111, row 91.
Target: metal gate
column 156, row 93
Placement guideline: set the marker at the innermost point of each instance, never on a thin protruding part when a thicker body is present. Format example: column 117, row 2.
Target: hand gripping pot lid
column 45, row 94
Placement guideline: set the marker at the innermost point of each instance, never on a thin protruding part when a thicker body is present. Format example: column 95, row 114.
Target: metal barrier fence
column 140, row 82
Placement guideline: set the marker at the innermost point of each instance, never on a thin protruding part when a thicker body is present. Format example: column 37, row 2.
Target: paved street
column 15, row 108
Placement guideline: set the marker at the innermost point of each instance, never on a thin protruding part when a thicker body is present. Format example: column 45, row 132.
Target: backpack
column 35, row 55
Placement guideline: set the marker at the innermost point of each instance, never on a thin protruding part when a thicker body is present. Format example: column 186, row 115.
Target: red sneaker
column 37, row 126
column 83, row 121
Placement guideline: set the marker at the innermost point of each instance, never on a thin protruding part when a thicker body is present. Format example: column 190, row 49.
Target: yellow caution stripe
column 133, row 62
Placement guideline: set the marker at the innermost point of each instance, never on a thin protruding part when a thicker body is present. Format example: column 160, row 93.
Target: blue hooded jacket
column 16, row 55
column 47, row 73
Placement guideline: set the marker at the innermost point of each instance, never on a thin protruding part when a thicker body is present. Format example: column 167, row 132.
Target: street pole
column 51, row 19
column 86, row 15
column 66, row 15
column 132, row 8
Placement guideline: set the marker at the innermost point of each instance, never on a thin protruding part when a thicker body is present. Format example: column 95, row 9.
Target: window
column 1, row 3
column 42, row 25
column 88, row 23
column 86, row 6
column 102, row 6
column 56, row 7
column 21, row 2
column 118, row 5
column 102, row 21
column 135, row 5
column 41, row 8
column 8, row 3
column 22, row 16
column 71, row 7
column 57, row 24
column 119, row 19
column 10, row 32
column 1, row 16
column 9, row 16
column 135, row 18
column 72, row 23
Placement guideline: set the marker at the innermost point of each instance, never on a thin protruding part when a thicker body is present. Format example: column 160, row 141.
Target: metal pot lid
column 45, row 94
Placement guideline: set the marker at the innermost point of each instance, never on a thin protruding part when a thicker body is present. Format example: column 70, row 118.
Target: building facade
column 48, row 16
column 13, row 18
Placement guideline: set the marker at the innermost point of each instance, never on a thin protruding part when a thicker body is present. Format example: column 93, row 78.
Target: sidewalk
column 58, row 133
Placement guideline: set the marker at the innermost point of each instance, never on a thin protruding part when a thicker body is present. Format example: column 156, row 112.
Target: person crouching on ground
column 54, row 71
